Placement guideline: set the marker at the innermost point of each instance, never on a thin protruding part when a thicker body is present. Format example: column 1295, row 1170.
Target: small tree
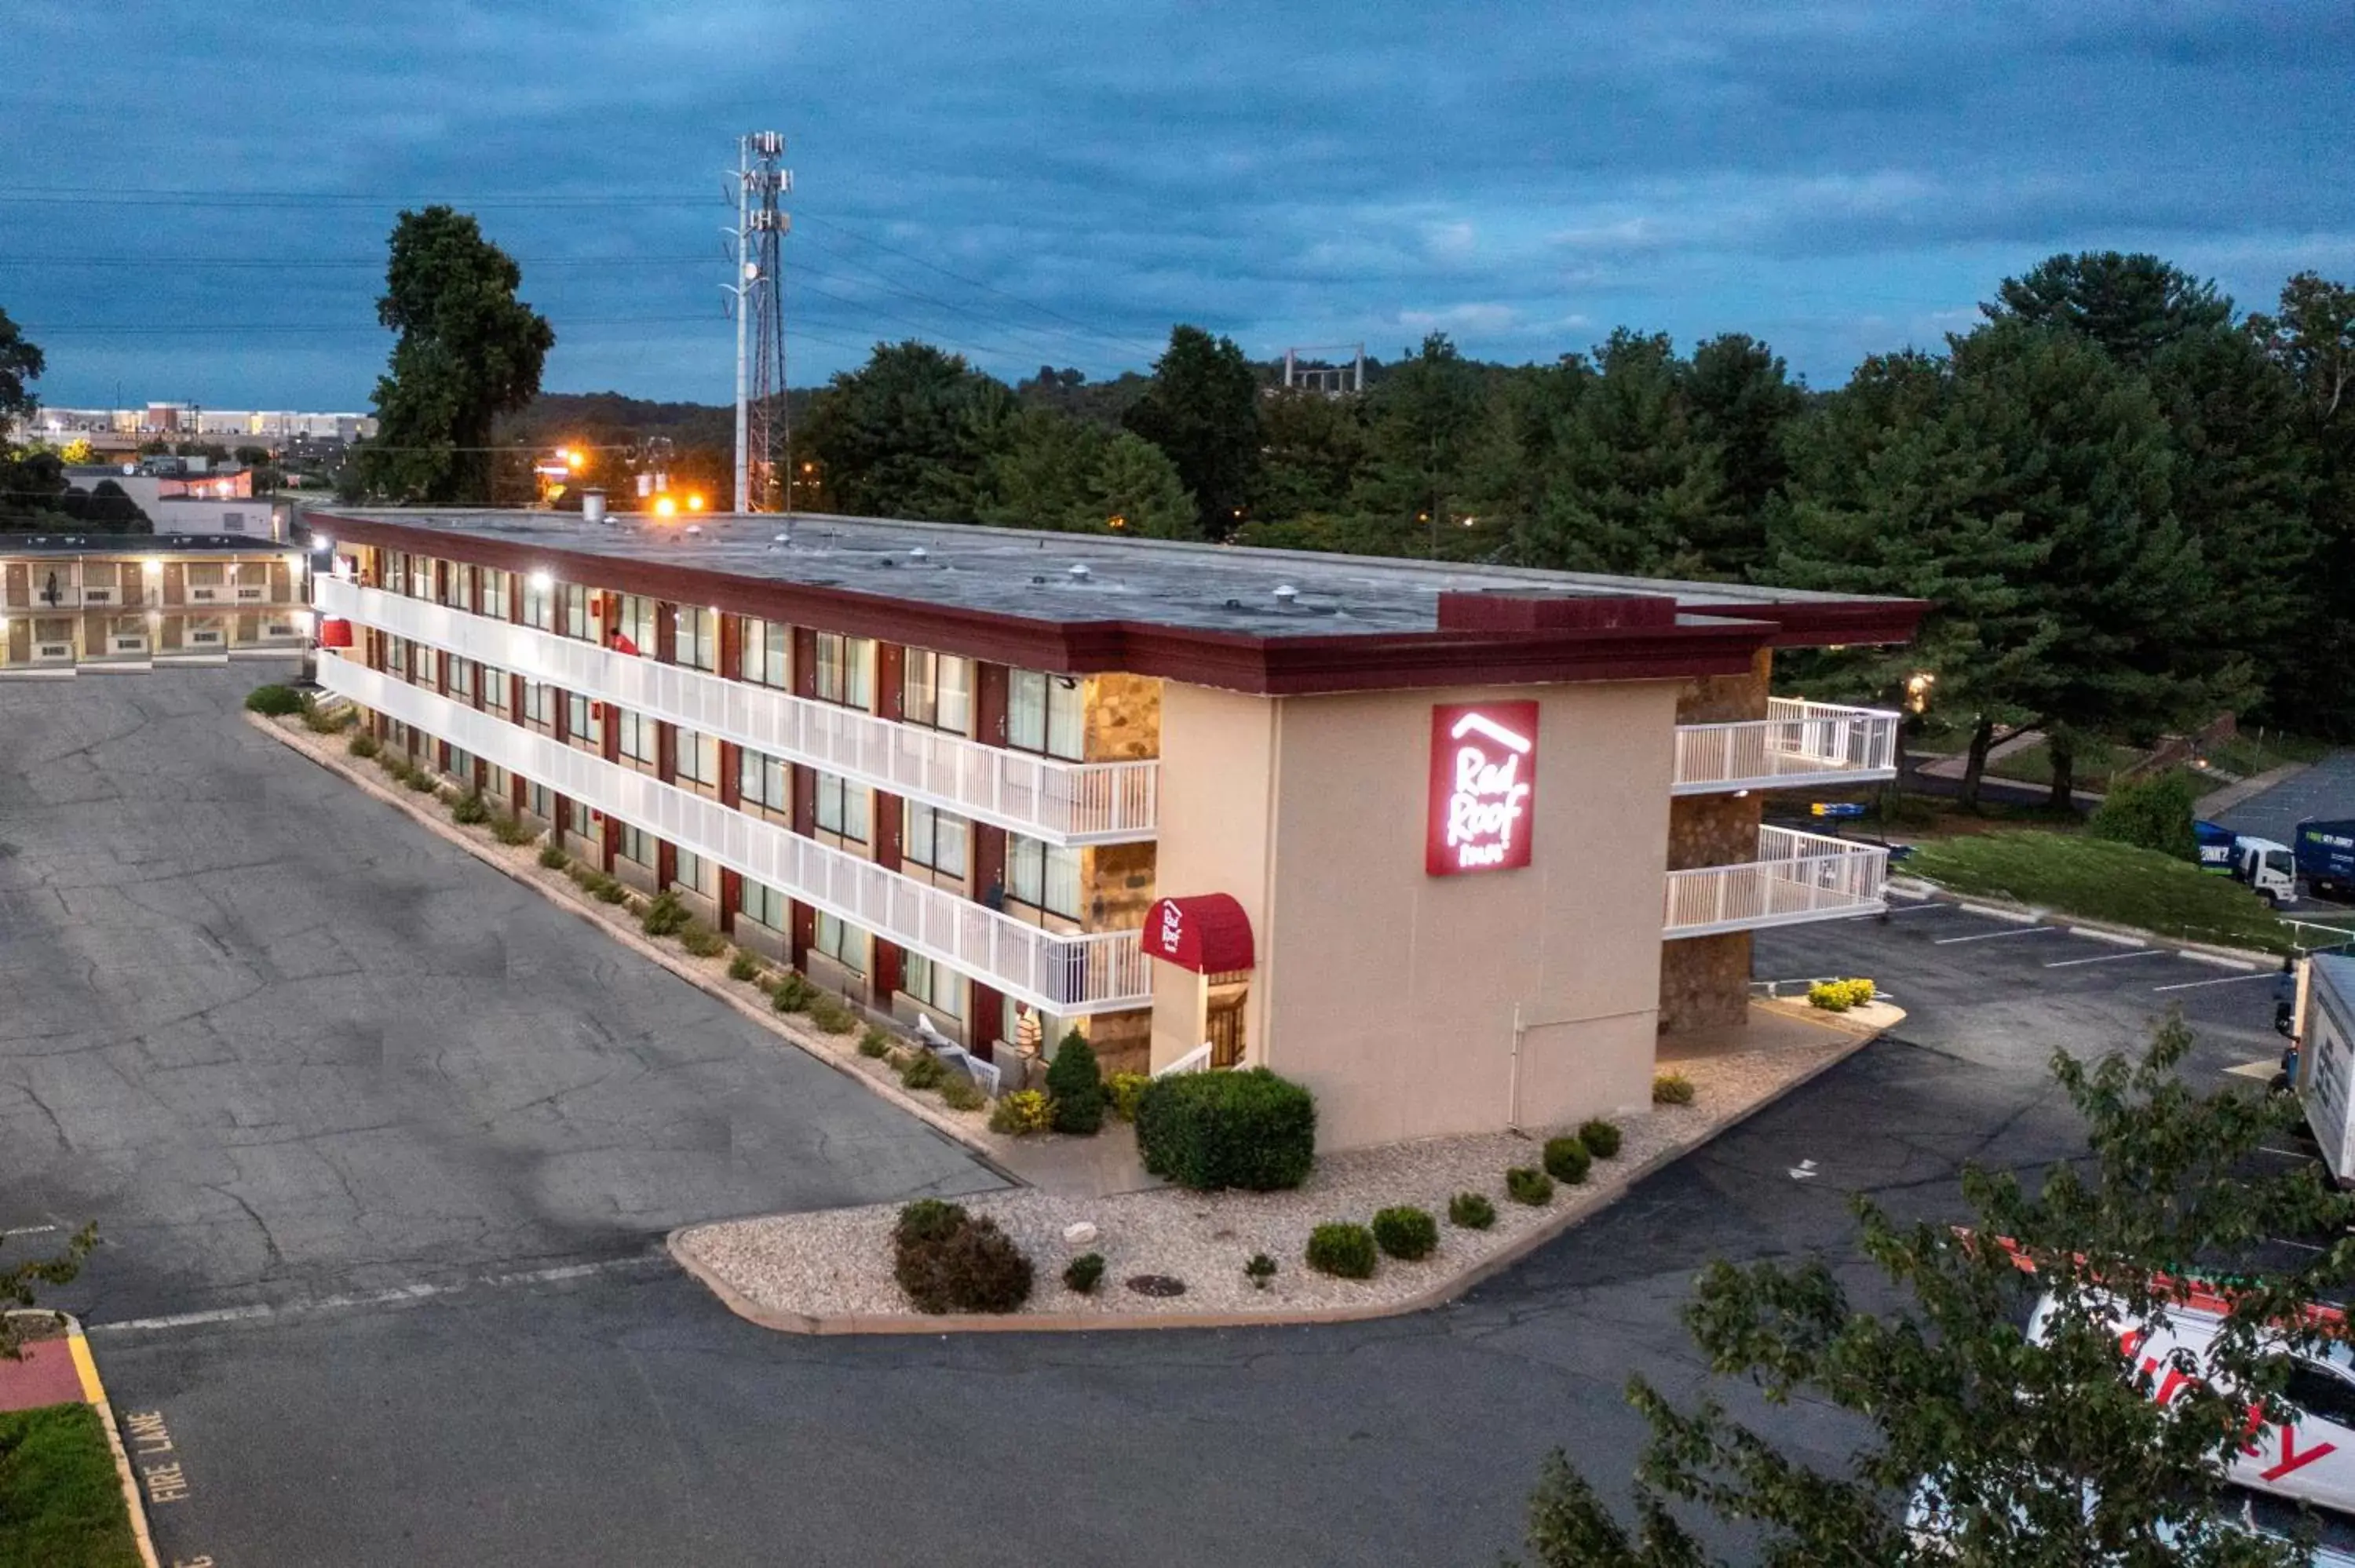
column 2036, row 1454
column 17, row 1288
column 1075, row 1084
column 2154, row 813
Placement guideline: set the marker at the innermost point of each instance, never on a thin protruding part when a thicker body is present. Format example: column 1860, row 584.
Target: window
column 395, row 655
column 573, row 600
column 636, row 622
column 2321, row 1394
column 637, row 735
column 766, row 905
column 696, row 874
column 461, row 592
column 842, row 669
column 393, row 568
column 576, row 719
column 1043, row 714
column 766, row 662
column 494, row 600
column 539, row 605
column 421, row 577
column 763, row 780
column 462, row 764
column 496, row 688
column 637, row 845
column 699, row 758
column 1043, row 875
column 842, row 807
column 539, row 702
column 539, row 800
column 205, row 574
column 934, row 838
column 462, row 677
column 579, row 812
column 843, row 942
column 697, row 647
column 939, row 691
column 935, row 986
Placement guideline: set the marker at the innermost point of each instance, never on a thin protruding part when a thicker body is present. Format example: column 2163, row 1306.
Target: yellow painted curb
column 93, row 1392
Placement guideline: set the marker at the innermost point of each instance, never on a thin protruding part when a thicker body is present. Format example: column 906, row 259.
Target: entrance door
column 1225, row 1026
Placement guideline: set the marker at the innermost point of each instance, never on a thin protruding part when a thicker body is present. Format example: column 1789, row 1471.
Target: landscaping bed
column 60, row 1495
column 2099, row 879
column 832, row 1271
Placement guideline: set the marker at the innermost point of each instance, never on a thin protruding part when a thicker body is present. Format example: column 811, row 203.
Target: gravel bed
column 838, row 1262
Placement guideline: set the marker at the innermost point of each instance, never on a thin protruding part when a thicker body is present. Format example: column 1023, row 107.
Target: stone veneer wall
column 1116, row 880
column 1705, row 980
column 1123, row 718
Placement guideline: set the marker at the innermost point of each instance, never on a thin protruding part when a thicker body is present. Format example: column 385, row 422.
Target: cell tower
column 763, row 425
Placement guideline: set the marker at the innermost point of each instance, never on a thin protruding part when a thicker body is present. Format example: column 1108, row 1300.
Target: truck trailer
column 2326, row 857
column 2323, row 1037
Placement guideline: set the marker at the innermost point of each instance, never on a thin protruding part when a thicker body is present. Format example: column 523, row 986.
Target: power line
column 934, row 266
column 275, row 263
column 60, row 195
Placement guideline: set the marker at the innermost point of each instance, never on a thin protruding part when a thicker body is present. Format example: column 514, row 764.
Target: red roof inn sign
column 1483, row 781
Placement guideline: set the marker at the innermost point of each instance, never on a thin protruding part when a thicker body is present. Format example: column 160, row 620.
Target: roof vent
column 1286, row 593
column 694, row 528
column 917, row 554
column 1037, row 581
column 780, row 538
column 1078, row 571
column 1234, row 604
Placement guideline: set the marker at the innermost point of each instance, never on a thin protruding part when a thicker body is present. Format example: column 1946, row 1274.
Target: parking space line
column 2107, row 958
column 1991, row 935
column 1918, row 908
column 2118, row 937
column 2221, row 980
column 2016, row 916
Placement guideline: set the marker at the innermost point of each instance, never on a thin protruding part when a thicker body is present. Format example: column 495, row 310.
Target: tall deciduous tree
column 20, row 365
column 908, row 433
column 2051, row 1455
column 2312, row 339
column 468, row 352
column 1203, row 410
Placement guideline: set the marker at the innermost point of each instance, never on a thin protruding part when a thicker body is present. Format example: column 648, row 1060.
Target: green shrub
column 470, row 811
column 605, row 890
column 318, row 721
column 1840, row 995
column 1566, row 1160
column 362, row 745
column 1472, row 1211
column 701, row 940
column 1022, row 1113
column 829, row 1014
column 1672, row 1089
column 874, row 1043
column 552, row 855
column 1343, row 1250
column 1123, row 1090
column 1075, row 1084
column 2152, row 813
column 923, row 1071
column 959, row 1263
column 793, row 993
column 510, row 829
column 1260, row 1270
column 1083, row 1272
column 1405, row 1231
column 665, row 916
column 927, row 1220
column 1602, row 1138
column 743, row 967
column 276, row 701
column 1207, row 1131
column 1527, row 1184
column 421, row 779
column 961, row 1093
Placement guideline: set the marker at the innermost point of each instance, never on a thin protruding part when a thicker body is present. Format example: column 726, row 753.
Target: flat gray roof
column 1038, row 576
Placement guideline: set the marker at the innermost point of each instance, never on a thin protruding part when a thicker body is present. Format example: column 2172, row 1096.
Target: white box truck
column 2323, row 1030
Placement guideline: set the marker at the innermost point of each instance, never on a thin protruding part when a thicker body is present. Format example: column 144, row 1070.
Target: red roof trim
column 1277, row 666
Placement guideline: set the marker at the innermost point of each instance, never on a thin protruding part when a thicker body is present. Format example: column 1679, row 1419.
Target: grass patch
column 2096, row 761
column 2100, row 880
column 2250, row 755
column 60, row 1503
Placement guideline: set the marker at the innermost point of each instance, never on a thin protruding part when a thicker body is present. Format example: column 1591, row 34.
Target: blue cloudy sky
column 1058, row 182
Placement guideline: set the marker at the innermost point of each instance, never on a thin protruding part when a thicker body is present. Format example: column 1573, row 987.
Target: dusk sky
column 194, row 200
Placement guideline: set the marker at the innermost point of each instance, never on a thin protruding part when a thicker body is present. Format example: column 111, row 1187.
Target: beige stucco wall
column 1391, row 993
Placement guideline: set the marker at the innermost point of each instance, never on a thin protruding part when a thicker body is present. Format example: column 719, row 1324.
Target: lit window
column 766, row 662
column 843, row 663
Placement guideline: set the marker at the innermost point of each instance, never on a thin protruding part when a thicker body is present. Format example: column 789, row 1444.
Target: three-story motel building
column 1452, row 845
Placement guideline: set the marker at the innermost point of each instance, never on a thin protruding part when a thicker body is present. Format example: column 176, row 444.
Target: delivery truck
column 2268, row 867
column 2326, row 857
column 2322, row 1043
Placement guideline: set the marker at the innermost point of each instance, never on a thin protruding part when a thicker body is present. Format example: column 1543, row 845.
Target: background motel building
column 1451, row 845
column 72, row 602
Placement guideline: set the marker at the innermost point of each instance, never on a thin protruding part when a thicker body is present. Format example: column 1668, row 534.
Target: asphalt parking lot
column 2326, row 789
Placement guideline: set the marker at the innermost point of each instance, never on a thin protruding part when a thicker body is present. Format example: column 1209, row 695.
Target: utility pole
column 763, row 424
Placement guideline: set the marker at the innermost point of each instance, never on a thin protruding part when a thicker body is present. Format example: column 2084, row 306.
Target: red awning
column 334, row 633
column 1207, row 933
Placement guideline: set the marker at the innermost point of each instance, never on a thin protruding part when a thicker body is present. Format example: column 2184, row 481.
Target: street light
column 666, row 508
column 695, row 502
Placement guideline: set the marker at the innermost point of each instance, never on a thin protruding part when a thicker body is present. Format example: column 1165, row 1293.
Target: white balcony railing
column 1066, row 976
column 53, row 653
column 1062, row 802
column 122, row 644
column 1797, row 876
column 205, row 593
column 1797, row 744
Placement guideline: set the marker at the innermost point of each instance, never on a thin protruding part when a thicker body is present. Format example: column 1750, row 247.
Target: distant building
column 75, row 601
column 124, row 429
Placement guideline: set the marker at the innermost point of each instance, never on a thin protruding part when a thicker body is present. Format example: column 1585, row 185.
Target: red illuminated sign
column 1483, row 781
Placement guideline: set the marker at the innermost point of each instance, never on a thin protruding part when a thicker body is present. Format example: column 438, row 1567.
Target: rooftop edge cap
column 1462, row 612
column 1207, row 933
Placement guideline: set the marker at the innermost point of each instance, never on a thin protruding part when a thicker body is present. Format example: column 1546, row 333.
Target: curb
column 1437, row 1294
column 767, row 1018
column 93, row 1392
column 2110, row 931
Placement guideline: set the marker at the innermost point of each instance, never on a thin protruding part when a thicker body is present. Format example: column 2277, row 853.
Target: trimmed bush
column 1344, row 1250
column 794, row 995
column 743, row 967
column 276, row 701
column 1075, row 1084
column 925, row 1221
column 605, row 890
column 362, row 745
column 1260, row 1270
column 470, row 811
column 1672, row 1089
column 663, row 915
column 1083, row 1272
column 1601, row 1138
column 1123, row 1090
column 1406, row 1233
column 961, row 1093
column 874, row 1043
column 701, row 940
column 829, row 1014
column 922, row 1070
column 1566, row 1160
column 1208, row 1130
column 1840, row 995
column 2152, row 813
column 1022, row 1113
column 1527, row 1184
column 421, row 779
column 318, row 721
column 970, row 1266
column 553, row 856
column 1472, row 1211
column 510, row 829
